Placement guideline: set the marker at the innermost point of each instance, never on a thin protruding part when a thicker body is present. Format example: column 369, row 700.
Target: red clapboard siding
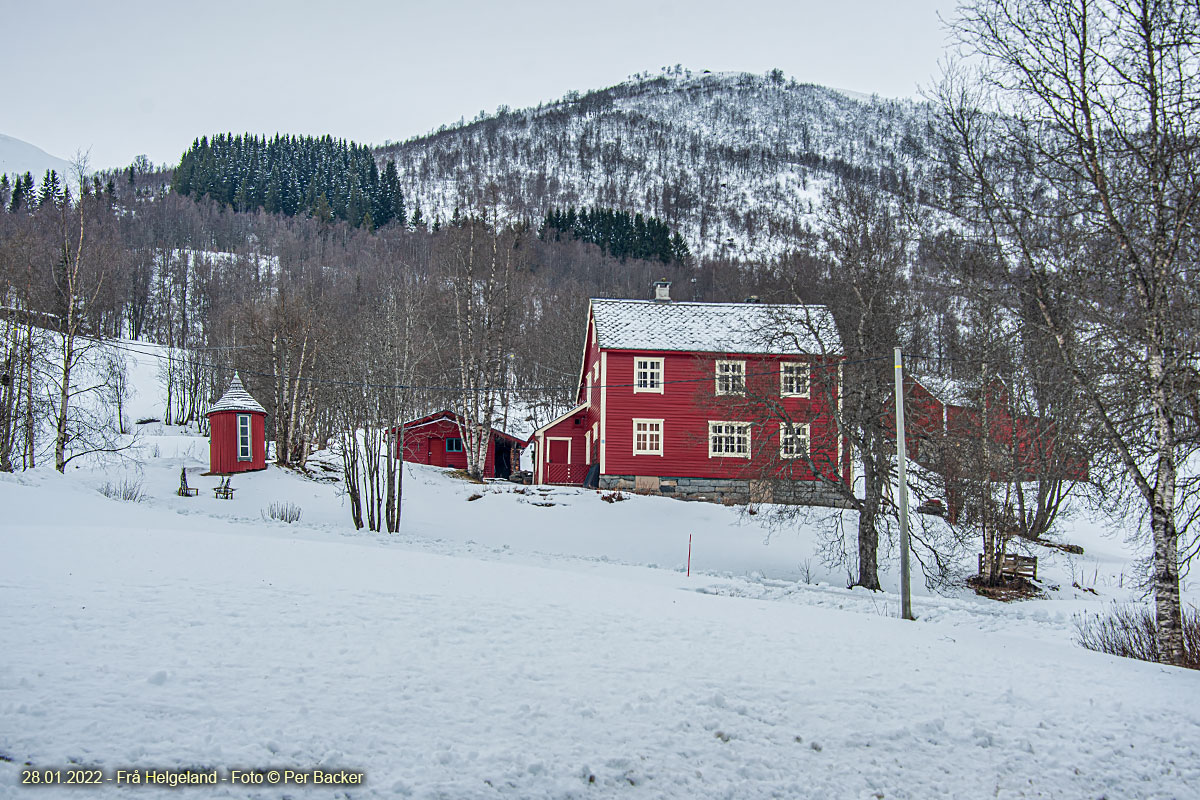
column 560, row 453
column 688, row 403
column 223, row 443
column 425, row 443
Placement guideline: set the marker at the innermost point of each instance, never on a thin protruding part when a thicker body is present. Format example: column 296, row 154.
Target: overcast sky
column 125, row 77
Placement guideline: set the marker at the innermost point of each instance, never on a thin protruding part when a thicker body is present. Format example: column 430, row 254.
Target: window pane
column 795, row 379
column 648, row 373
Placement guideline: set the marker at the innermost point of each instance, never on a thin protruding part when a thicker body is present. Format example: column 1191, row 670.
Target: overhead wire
column 321, row 381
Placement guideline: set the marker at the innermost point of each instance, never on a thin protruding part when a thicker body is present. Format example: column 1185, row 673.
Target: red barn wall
column 222, row 443
column 425, row 444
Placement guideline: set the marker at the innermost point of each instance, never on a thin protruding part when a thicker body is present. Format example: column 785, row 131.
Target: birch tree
column 479, row 264
column 1074, row 148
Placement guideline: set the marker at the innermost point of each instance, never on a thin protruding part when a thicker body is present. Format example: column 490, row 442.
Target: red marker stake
column 689, row 572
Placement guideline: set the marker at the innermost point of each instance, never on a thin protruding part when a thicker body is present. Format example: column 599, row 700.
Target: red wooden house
column 237, row 439
column 437, row 440
column 658, row 403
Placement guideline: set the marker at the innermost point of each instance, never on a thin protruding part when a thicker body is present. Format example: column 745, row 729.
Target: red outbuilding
column 437, row 440
column 237, row 439
column 948, row 439
column 671, row 400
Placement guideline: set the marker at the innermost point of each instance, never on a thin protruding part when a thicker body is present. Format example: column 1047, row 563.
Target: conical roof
column 236, row 398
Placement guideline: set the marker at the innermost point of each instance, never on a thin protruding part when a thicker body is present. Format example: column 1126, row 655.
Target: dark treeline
column 618, row 233
column 325, row 178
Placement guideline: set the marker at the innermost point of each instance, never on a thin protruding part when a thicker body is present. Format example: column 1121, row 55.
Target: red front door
column 558, row 451
column 437, row 452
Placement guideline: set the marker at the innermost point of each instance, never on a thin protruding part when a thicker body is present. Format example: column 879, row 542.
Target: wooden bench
column 223, row 491
column 1015, row 566
column 184, row 489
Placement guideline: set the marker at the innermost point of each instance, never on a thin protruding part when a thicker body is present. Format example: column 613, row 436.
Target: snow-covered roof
column 715, row 327
column 236, row 398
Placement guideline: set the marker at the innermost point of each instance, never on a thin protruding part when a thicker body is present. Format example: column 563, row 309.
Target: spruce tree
column 51, row 191
column 21, row 194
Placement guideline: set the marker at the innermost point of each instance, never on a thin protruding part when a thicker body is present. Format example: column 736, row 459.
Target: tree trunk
column 29, row 456
column 868, row 532
column 1168, row 614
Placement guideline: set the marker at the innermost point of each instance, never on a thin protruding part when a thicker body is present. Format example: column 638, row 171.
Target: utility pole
column 902, row 469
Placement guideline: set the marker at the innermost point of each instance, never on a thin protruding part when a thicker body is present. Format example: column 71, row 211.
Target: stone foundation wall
column 729, row 491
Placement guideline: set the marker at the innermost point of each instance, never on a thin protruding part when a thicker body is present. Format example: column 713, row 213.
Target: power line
column 435, row 388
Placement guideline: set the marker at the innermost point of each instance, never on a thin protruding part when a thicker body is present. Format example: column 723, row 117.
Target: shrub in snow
column 1130, row 631
column 284, row 512
column 129, row 490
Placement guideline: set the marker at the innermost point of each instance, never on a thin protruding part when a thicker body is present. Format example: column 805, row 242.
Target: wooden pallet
column 1015, row 566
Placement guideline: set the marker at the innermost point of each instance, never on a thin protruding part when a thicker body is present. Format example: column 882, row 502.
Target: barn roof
column 236, row 398
column 455, row 418
column 750, row 328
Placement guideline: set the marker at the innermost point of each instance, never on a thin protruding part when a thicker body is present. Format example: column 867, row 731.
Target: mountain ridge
column 18, row 157
column 736, row 161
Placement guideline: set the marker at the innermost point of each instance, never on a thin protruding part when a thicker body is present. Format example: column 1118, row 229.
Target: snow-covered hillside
column 18, row 157
column 537, row 642
column 735, row 161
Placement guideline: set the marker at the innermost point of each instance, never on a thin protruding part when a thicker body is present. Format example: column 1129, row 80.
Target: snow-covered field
column 538, row 644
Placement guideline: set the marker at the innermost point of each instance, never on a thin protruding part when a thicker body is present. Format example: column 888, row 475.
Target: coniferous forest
column 618, row 233
column 323, row 177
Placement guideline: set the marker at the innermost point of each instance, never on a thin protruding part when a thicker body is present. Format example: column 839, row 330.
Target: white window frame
column 652, row 425
column 727, row 376
column 729, row 428
column 587, row 447
column 800, row 430
column 653, row 365
column 803, row 367
column 245, row 438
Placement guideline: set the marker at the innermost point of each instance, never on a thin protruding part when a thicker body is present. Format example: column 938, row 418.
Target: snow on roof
column 236, row 398
column 714, row 327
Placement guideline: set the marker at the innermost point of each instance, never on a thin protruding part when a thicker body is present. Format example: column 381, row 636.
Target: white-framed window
column 648, row 375
column 729, row 439
column 731, row 377
column 454, row 444
column 647, row 437
column 587, row 447
column 793, row 440
column 793, row 379
column 245, row 449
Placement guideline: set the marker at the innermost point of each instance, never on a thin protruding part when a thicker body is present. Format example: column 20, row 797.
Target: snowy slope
column 18, row 157
column 537, row 643
column 734, row 161
column 152, row 636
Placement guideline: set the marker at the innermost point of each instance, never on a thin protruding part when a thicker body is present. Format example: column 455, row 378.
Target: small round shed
column 237, row 439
